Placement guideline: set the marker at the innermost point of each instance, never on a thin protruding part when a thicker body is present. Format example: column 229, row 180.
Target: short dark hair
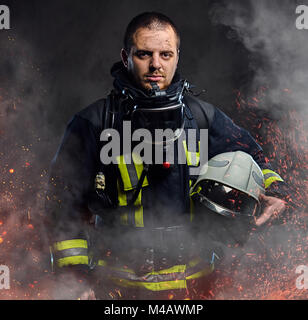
column 148, row 20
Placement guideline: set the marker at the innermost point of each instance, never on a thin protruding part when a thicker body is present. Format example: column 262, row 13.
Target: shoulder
column 94, row 113
column 200, row 109
column 88, row 120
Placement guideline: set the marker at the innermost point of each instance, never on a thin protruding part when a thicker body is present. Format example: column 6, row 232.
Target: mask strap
column 156, row 90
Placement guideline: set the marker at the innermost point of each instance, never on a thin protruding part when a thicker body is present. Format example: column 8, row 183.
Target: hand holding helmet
column 274, row 207
column 232, row 185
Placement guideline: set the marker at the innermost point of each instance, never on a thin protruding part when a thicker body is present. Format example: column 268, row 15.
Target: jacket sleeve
column 71, row 177
column 226, row 136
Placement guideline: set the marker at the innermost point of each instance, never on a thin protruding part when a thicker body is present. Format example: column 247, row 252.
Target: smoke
column 38, row 95
column 27, row 147
column 268, row 31
column 278, row 57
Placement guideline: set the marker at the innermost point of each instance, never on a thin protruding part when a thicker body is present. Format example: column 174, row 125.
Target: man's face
column 153, row 57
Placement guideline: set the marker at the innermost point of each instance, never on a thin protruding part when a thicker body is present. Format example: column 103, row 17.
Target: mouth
column 154, row 78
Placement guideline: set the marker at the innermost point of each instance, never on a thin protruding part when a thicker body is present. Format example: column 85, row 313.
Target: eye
column 166, row 55
column 143, row 54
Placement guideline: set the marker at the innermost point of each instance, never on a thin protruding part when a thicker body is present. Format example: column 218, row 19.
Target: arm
column 225, row 136
column 71, row 178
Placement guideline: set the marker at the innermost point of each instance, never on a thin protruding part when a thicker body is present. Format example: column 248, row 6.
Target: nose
column 155, row 62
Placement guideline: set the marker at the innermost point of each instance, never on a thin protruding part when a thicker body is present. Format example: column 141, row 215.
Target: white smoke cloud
column 267, row 29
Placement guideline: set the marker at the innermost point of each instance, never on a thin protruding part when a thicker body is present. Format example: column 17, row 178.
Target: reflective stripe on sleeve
column 70, row 252
column 270, row 177
column 71, row 261
column 69, row 244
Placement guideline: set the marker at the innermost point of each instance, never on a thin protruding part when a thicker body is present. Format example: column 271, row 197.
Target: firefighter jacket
column 157, row 242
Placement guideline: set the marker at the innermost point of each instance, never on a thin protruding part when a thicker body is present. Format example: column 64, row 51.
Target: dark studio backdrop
column 55, row 60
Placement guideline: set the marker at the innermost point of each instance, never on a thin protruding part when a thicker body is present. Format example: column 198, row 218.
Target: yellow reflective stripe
column 208, row 270
column 188, row 159
column 199, row 188
column 102, row 263
column 138, row 200
column 270, row 180
column 197, row 157
column 124, row 172
column 266, row 171
column 72, row 261
column 138, row 165
column 194, row 262
column 191, row 204
column 275, row 177
column 162, row 285
column 157, row 286
column 139, row 217
column 70, row 244
column 189, row 155
column 124, row 218
column 175, row 269
column 128, row 186
column 121, row 196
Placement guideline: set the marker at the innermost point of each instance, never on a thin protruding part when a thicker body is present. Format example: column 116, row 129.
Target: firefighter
column 131, row 226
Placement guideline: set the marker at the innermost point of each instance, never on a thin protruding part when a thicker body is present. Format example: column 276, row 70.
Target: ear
column 124, row 57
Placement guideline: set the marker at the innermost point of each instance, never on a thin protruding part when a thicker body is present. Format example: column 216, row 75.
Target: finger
column 265, row 216
column 273, row 210
column 262, row 196
column 267, row 199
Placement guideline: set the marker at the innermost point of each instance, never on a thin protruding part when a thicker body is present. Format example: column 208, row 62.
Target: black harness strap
column 199, row 112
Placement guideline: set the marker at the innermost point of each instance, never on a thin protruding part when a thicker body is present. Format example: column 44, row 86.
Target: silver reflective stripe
column 132, row 174
column 145, row 278
column 71, row 252
column 272, row 174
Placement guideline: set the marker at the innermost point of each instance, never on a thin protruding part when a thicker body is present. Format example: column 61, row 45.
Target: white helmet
column 231, row 185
